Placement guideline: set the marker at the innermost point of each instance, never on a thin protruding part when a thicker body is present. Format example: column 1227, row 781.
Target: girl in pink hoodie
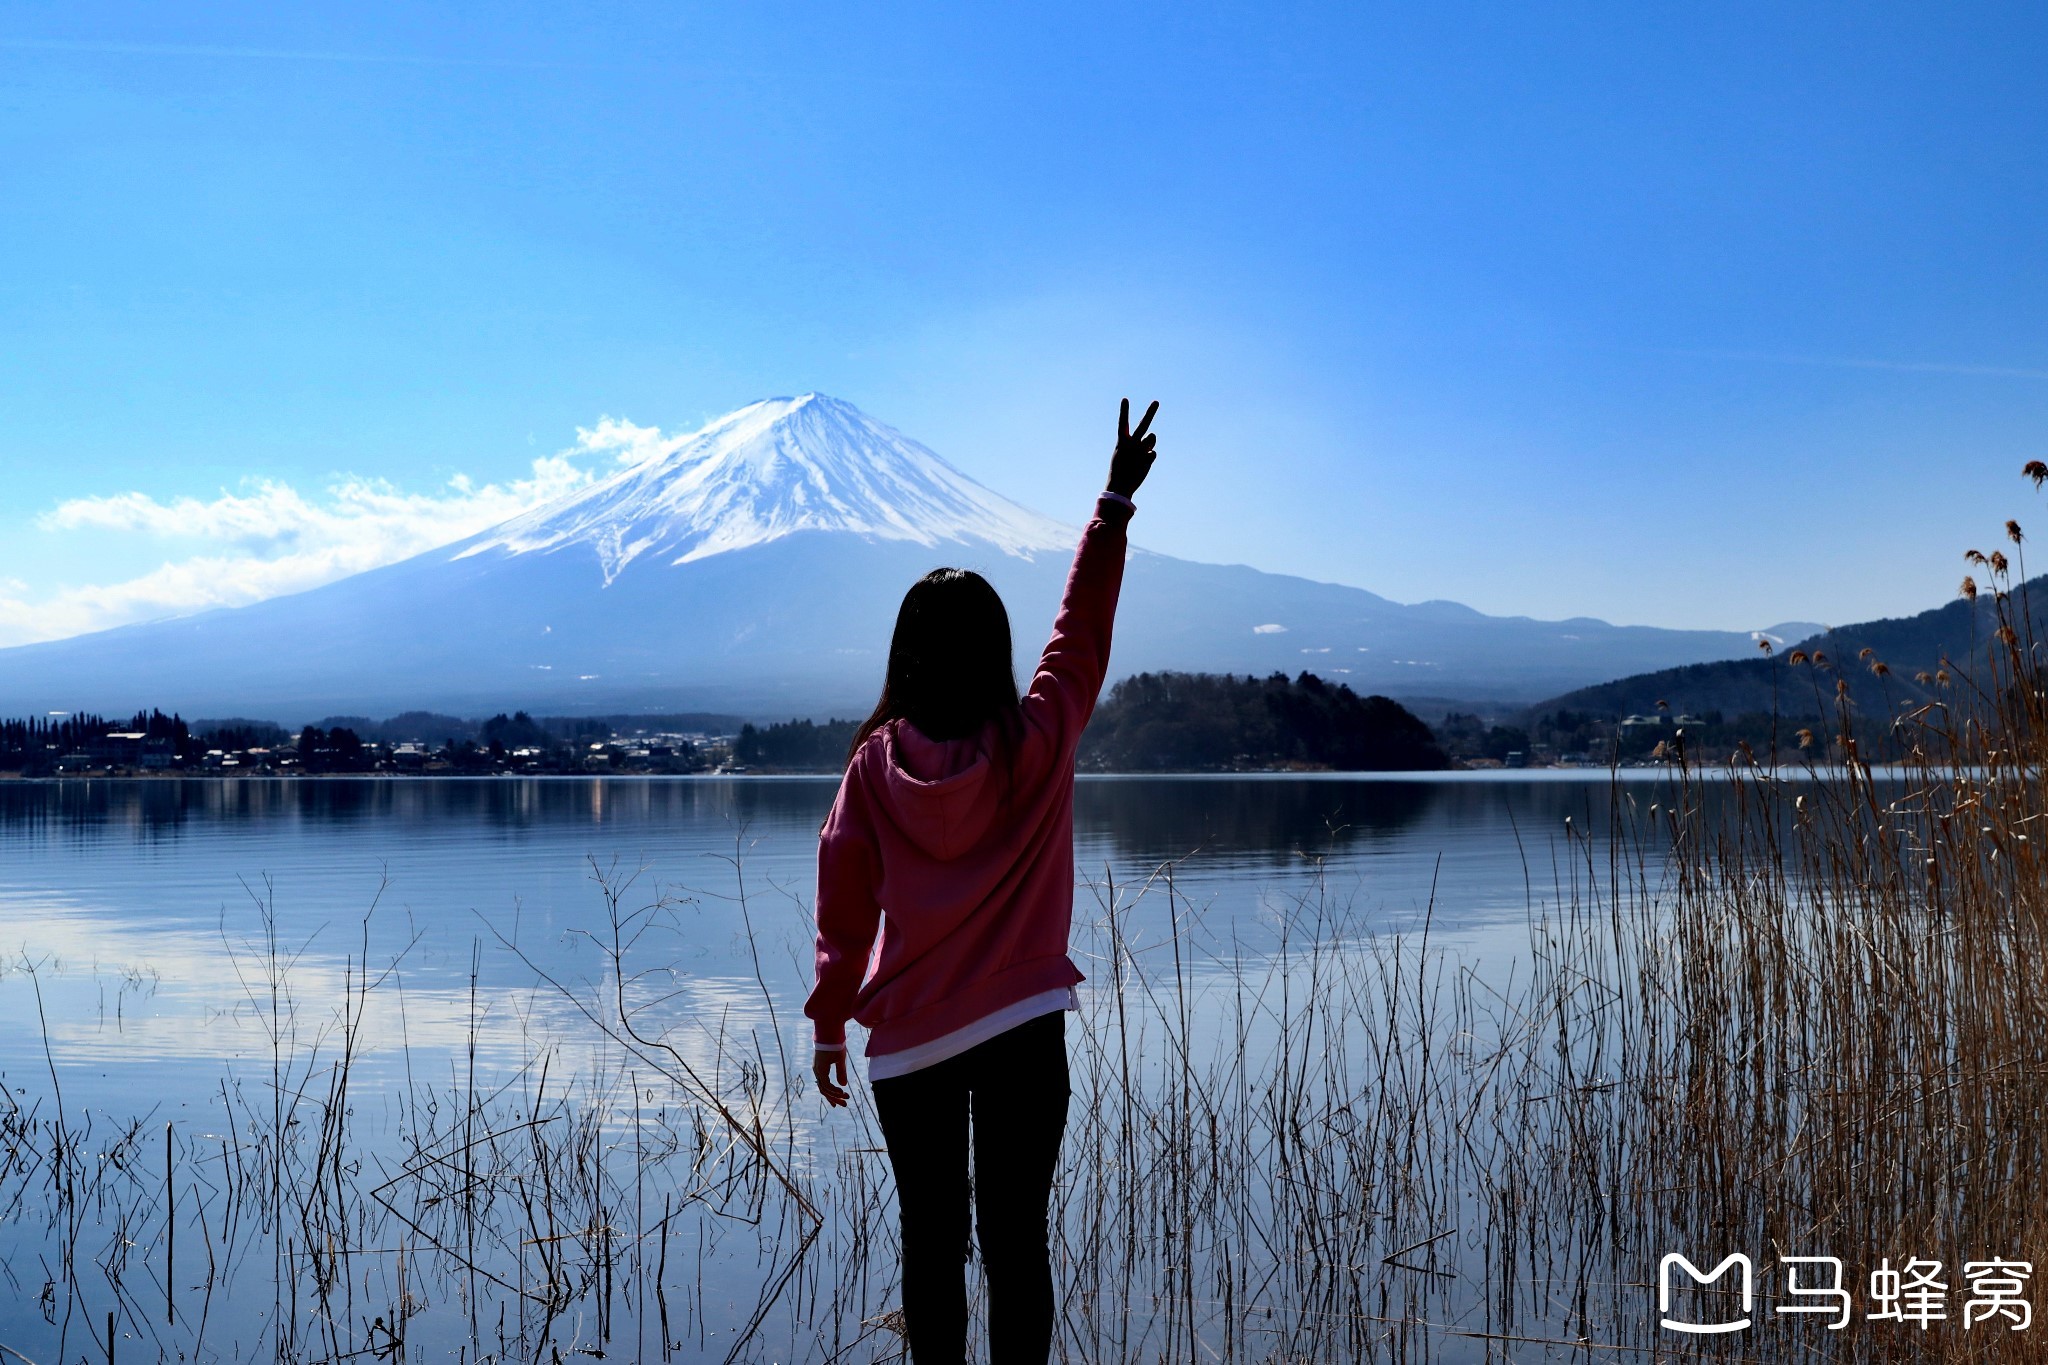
column 945, row 897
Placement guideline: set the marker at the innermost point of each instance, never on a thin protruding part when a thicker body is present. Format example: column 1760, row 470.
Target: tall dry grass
column 1840, row 1015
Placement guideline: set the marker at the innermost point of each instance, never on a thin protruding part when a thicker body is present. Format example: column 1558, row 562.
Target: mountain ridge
column 754, row 566
column 1957, row 632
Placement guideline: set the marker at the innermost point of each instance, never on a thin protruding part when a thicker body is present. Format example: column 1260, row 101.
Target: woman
column 953, row 835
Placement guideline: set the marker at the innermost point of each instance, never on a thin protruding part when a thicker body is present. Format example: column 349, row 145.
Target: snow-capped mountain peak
column 768, row 470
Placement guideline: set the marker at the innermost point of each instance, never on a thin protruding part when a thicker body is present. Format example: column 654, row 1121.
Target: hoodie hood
column 941, row 793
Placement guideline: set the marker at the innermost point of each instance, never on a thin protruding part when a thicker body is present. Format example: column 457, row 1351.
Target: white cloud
column 627, row 443
column 1270, row 628
column 269, row 538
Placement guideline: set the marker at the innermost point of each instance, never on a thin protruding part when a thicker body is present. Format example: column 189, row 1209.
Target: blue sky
column 1690, row 316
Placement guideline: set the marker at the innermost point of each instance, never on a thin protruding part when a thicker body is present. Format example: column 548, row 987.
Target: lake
column 137, row 893
column 193, row 941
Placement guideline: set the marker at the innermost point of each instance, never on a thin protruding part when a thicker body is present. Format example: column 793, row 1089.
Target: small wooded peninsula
column 1185, row 722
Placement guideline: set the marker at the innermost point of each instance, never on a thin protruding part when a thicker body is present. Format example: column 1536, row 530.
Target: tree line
column 1219, row 722
column 28, row 743
column 1184, row 722
column 1152, row 722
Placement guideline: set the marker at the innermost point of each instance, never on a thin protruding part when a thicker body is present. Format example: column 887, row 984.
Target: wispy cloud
column 625, row 442
column 268, row 537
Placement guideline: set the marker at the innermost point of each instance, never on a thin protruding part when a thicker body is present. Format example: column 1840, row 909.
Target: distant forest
column 795, row 745
column 1883, row 666
column 1218, row 722
column 1184, row 722
column 70, row 731
column 1154, row 722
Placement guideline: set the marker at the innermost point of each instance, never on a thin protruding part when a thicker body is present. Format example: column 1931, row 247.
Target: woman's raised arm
column 1070, row 672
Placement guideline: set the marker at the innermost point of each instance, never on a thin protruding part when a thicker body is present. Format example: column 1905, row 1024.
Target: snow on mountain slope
column 769, row 470
column 755, row 567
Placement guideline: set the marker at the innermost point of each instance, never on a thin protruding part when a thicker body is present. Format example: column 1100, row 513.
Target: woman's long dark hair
column 950, row 671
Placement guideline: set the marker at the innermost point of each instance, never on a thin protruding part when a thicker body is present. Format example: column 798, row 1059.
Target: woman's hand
column 827, row 1066
column 1134, row 454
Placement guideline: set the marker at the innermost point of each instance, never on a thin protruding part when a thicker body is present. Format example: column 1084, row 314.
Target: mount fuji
column 754, row 567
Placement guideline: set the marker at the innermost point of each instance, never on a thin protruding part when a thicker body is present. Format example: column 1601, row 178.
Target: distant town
column 1151, row 722
column 413, row 744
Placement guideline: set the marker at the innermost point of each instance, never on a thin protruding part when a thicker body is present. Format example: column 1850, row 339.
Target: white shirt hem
column 952, row 1044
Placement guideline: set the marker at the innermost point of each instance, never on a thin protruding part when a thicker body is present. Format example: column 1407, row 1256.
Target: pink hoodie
column 974, row 898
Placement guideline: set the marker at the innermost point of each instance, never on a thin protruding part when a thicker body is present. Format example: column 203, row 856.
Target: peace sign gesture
column 1134, row 451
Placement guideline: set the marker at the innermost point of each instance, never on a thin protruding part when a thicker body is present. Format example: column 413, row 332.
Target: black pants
column 1015, row 1087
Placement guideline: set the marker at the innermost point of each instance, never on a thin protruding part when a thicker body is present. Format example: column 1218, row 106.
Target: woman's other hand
column 1134, row 451
column 830, row 1069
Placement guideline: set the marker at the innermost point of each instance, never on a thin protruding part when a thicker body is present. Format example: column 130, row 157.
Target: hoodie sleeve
column 848, row 914
column 1070, row 672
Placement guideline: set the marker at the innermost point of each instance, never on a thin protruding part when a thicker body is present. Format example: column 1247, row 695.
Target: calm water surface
column 148, row 905
column 145, row 923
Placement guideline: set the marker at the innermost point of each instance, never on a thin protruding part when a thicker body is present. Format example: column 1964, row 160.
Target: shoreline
column 1573, row 774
